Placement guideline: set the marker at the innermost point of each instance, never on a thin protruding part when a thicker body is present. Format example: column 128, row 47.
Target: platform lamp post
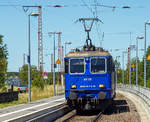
column 66, row 46
column 29, row 55
column 130, row 49
column 146, row 23
column 54, row 64
column 138, row 37
column 123, row 65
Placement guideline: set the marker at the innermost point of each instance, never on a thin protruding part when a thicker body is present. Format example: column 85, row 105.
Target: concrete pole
column 139, row 37
column 24, row 59
column 136, row 61
column 54, row 69
column 29, row 62
column 54, row 64
column 117, row 57
column 123, row 67
column 62, row 66
column 130, row 66
column 145, row 59
column 65, row 49
column 116, row 75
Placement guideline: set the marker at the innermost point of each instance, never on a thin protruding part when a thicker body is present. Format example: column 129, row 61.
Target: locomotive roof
column 88, row 53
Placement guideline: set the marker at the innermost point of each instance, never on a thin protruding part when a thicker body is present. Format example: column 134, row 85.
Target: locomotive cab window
column 98, row 65
column 77, row 66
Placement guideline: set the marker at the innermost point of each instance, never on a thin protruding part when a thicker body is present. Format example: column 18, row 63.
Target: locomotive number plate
column 87, row 86
column 87, row 79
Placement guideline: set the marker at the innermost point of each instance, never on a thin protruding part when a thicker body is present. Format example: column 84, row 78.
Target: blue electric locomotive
column 89, row 78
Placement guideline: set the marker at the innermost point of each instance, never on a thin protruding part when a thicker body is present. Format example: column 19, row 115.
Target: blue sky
column 117, row 26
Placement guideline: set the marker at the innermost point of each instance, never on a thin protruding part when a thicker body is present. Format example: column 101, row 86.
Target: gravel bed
column 121, row 110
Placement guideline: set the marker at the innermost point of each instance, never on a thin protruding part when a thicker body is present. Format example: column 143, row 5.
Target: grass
column 36, row 94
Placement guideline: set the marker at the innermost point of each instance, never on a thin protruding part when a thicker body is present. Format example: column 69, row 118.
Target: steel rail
column 97, row 117
column 101, row 113
column 71, row 116
column 52, row 115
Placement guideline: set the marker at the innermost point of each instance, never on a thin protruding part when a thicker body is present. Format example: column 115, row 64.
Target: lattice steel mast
column 40, row 39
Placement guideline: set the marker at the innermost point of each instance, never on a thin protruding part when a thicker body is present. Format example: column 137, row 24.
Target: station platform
column 13, row 113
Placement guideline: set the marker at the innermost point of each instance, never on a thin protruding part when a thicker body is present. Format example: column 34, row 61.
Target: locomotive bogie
column 88, row 104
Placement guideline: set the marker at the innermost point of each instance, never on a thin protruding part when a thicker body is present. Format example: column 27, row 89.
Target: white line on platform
column 31, row 107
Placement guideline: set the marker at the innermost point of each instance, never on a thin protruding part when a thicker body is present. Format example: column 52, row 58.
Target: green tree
column 141, row 70
column 3, row 61
column 119, row 71
column 50, row 78
column 23, row 74
column 119, row 76
column 38, row 81
column 141, row 73
column 148, row 67
column 133, row 72
column 36, row 76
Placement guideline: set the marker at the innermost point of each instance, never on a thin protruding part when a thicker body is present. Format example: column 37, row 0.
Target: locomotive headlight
column 73, row 86
column 101, row 86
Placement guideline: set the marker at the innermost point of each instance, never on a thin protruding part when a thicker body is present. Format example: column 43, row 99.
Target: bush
column 38, row 81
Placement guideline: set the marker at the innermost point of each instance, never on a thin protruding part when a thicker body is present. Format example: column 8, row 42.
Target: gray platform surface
column 18, row 111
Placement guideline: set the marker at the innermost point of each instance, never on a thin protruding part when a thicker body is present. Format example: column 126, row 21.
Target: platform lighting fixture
column 137, row 38
column 34, row 14
column 125, row 7
column 58, row 6
column 54, row 65
column 146, row 23
column 29, row 55
column 67, row 42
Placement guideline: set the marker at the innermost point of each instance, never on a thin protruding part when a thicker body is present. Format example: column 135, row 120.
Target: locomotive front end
column 88, row 80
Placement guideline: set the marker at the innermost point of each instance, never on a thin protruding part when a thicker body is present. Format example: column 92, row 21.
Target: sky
column 117, row 25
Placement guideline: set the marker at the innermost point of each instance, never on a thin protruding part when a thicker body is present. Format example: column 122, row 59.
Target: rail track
column 97, row 117
column 91, row 116
column 69, row 117
column 74, row 116
column 121, row 109
column 51, row 115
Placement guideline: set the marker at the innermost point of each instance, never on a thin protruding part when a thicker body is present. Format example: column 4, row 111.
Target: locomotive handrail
column 142, row 92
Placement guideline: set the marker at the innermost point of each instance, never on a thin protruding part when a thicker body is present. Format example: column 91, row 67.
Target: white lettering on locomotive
column 87, row 86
